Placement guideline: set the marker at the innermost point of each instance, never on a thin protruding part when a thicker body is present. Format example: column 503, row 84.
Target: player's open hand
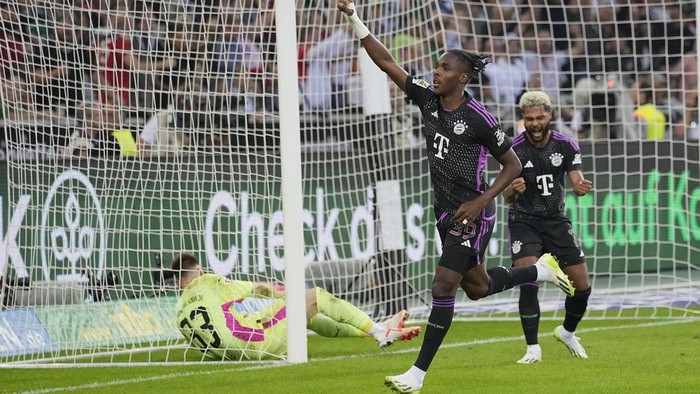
column 344, row 5
column 518, row 185
column 583, row 187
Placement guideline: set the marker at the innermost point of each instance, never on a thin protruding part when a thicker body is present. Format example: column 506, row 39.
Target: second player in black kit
column 459, row 134
column 537, row 222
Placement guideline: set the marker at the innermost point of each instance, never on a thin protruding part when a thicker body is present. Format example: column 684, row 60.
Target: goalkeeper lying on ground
column 215, row 315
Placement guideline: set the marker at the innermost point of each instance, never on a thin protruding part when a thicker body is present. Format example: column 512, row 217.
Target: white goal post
column 264, row 141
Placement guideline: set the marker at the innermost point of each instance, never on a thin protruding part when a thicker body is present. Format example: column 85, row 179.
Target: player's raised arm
column 375, row 49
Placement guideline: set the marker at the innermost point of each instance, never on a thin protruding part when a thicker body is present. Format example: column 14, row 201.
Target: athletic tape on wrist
column 361, row 31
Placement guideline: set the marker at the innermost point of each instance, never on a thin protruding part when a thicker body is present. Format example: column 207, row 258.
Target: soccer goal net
column 137, row 129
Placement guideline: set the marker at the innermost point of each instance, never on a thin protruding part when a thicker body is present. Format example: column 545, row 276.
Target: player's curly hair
column 475, row 63
column 535, row 98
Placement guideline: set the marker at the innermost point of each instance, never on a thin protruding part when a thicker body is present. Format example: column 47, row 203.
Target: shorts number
column 206, row 326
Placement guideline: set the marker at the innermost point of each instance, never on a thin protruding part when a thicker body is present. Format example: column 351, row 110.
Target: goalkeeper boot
column 533, row 355
column 402, row 384
column 555, row 275
column 571, row 342
column 408, row 333
column 394, row 330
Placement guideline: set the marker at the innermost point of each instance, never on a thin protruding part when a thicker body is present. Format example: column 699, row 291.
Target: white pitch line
column 119, row 382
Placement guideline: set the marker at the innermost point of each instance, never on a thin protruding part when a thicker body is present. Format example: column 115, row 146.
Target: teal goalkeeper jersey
column 231, row 320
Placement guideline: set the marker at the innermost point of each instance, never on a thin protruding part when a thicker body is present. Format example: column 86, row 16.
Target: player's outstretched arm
column 379, row 54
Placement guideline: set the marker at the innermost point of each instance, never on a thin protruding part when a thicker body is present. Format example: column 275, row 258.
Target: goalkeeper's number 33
column 215, row 340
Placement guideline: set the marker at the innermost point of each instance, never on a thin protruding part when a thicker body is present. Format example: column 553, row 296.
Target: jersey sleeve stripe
column 561, row 137
column 519, row 139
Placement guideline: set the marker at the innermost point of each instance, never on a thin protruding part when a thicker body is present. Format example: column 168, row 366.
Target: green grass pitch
column 626, row 356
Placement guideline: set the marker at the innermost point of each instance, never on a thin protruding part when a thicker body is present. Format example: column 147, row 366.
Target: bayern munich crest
column 556, row 159
column 517, row 245
column 459, row 128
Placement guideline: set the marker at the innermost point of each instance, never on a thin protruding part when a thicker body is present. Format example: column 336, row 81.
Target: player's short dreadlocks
column 475, row 63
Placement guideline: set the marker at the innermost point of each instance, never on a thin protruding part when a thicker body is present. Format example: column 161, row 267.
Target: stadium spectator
column 537, row 223
column 587, row 58
column 450, row 37
column 169, row 130
column 240, row 59
column 237, row 320
column 410, row 51
column 596, row 107
column 548, row 62
column 99, row 132
column 12, row 43
column 117, row 63
column 632, row 27
column 16, row 99
column 631, row 129
column 314, row 29
column 684, row 87
column 33, row 20
column 199, row 74
column 149, row 39
column 673, row 33
column 459, row 131
column 58, row 64
column 650, row 120
column 506, row 78
column 329, row 63
column 462, row 14
column 582, row 59
column 188, row 50
column 266, row 39
column 387, row 16
column 150, row 45
column 553, row 14
column 57, row 72
column 619, row 58
column 688, row 128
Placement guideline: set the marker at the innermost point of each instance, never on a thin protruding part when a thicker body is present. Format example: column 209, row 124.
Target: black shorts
column 463, row 248
column 535, row 236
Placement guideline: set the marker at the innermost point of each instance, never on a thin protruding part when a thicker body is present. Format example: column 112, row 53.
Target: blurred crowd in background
column 615, row 69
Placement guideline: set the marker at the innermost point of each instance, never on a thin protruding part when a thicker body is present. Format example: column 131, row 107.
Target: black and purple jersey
column 457, row 142
column 543, row 171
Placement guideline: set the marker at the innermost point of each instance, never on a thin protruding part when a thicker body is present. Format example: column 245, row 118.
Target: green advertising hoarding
column 63, row 219
column 111, row 323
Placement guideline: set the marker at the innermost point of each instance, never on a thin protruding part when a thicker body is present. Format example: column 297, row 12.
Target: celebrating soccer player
column 213, row 316
column 458, row 131
column 537, row 223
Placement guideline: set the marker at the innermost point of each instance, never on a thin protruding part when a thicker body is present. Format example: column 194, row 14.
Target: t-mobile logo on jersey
column 440, row 143
column 544, row 183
